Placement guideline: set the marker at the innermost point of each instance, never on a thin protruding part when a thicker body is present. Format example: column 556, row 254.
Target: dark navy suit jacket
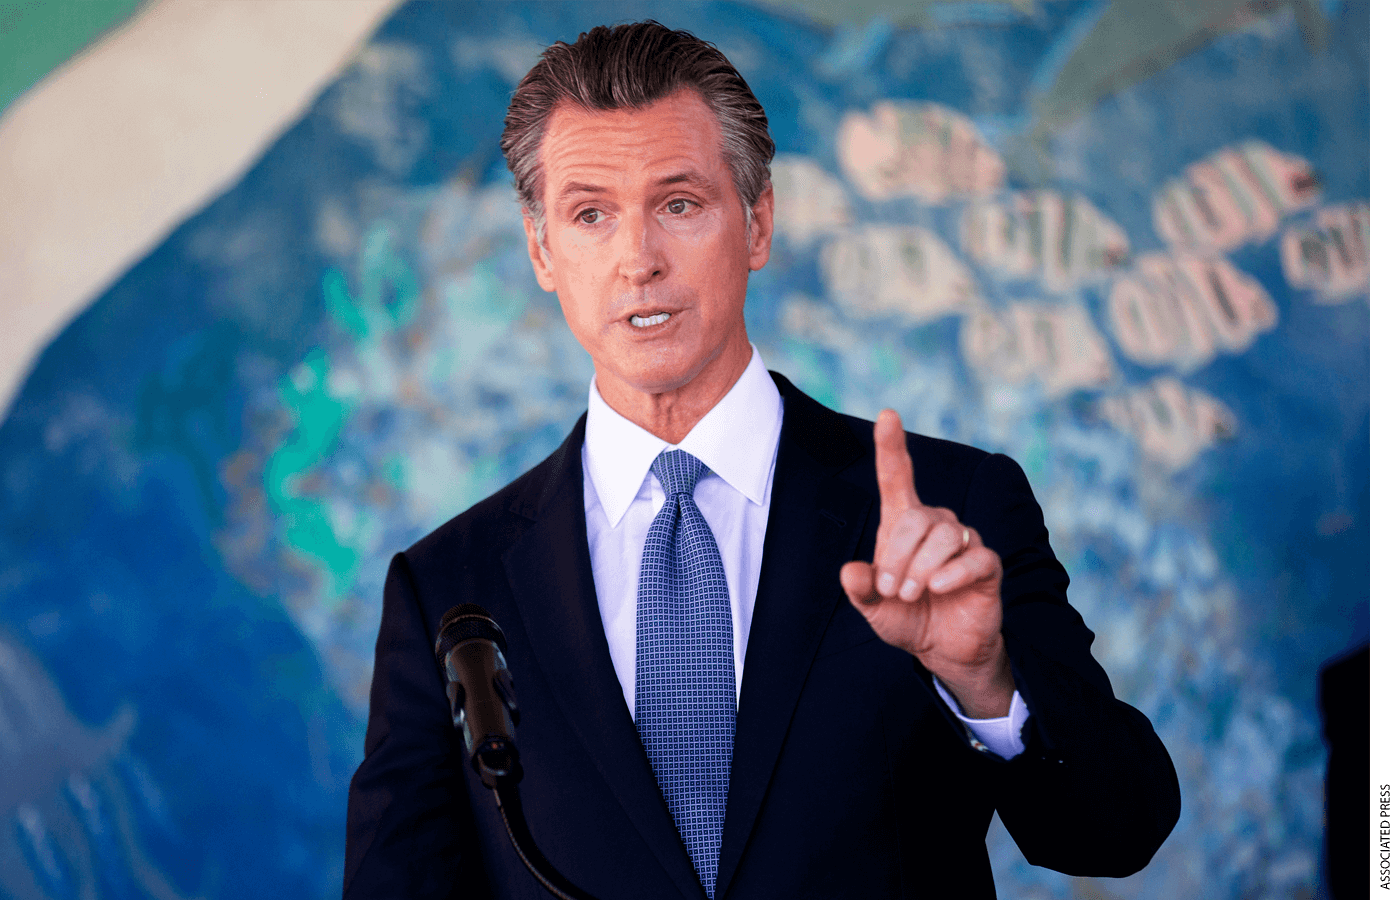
column 850, row 776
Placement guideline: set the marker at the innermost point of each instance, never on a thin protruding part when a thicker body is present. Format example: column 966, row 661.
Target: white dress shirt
column 738, row 441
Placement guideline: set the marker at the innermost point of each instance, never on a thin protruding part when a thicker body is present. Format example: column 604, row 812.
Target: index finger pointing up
column 893, row 469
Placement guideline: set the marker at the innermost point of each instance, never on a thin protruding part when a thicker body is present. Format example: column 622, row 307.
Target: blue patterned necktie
column 685, row 664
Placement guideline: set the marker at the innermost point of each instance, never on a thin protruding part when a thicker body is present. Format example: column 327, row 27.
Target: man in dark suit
column 884, row 708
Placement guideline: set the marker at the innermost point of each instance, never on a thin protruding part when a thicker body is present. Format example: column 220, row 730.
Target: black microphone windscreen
column 464, row 622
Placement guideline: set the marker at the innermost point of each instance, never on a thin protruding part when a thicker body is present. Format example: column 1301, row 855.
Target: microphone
column 470, row 650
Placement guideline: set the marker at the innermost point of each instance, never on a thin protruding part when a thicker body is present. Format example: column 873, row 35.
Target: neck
column 670, row 415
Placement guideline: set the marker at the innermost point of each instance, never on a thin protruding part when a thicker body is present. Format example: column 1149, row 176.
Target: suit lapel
column 552, row 579
column 814, row 524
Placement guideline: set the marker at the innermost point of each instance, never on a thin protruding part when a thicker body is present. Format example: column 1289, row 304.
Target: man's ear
column 539, row 254
column 761, row 230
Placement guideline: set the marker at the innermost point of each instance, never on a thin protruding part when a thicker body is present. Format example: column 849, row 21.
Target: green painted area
column 38, row 36
column 1036, row 456
column 388, row 299
column 809, row 373
column 340, row 303
column 394, row 471
column 887, row 361
column 317, row 418
column 388, row 293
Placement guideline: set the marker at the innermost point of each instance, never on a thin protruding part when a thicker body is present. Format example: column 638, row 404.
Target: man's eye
column 589, row 216
column 678, row 206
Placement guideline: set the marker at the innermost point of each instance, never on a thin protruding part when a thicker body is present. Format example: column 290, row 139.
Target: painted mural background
column 1133, row 254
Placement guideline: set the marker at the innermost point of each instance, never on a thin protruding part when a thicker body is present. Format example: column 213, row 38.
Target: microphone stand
column 470, row 650
column 508, row 802
column 498, row 765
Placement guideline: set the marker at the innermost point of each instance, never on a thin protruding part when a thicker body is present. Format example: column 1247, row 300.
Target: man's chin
column 657, row 384
column 670, row 369
column 650, row 378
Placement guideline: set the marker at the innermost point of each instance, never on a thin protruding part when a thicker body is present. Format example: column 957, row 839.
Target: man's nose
column 643, row 257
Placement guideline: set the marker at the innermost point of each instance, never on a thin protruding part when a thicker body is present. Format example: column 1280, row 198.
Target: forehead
column 677, row 133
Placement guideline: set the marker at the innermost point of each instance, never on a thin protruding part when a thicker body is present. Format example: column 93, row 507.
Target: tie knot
column 678, row 471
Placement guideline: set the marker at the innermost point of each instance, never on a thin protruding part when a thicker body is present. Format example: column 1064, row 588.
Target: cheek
column 721, row 259
column 573, row 303
column 582, row 284
column 574, row 246
column 729, row 278
column 586, row 332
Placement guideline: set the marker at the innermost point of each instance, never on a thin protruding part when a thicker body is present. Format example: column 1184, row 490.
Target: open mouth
column 648, row 321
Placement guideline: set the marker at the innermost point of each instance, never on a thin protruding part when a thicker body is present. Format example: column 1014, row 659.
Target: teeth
column 650, row 320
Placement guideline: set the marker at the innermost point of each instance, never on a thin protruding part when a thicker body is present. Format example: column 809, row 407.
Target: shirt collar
column 737, row 439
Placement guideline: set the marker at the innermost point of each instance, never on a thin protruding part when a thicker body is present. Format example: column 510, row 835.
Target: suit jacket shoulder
column 499, row 520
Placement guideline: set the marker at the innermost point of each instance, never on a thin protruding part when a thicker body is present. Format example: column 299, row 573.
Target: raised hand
column 933, row 589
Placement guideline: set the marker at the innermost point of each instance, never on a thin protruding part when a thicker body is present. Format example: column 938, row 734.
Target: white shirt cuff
column 1002, row 735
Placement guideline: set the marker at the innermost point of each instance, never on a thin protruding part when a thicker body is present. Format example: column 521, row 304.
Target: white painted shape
column 809, row 202
column 1171, row 423
column 897, row 269
column 105, row 157
column 922, row 150
column 1330, row 255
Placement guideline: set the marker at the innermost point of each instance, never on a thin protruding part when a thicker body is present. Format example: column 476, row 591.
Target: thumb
column 858, row 580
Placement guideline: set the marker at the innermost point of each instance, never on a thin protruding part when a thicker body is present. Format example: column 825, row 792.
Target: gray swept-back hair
column 630, row 67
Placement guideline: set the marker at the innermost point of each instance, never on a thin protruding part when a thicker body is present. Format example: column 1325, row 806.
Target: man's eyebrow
column 704, row 185
column 694, row 179
column 573, row 188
